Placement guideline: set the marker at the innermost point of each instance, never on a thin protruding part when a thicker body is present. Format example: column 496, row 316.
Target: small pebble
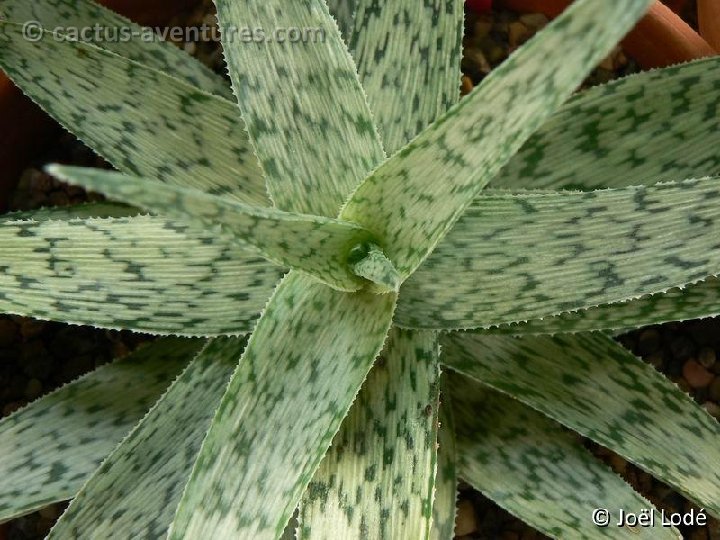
column 712, row 408
column 535, row 21
column 467, row 85
column 696, row 375
column 618, row 464
column 517, row 34
column 682, row 347
column 706, row 357
column 59, row 198
column 466, row 521
column 11, row 408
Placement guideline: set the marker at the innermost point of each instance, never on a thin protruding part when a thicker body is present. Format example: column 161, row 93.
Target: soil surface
column 37, row 357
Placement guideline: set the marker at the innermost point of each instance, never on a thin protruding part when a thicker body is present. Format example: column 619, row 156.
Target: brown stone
column 696, row 375
column 466, row 521
column 467, row 85
column 706, row 357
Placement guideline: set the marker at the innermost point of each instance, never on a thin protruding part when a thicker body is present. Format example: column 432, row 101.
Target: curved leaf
column 137, row 488
column 302, row 368
column 162, row 127
column 413, row 199
column 597, row 388
column 142, row 273
column 303, row 104
column 316, row 245
column 116, row 34
column 649, row 127
column 378, row 478
column 515, row 257
column 408, row 59
column 49, row 448
column 537, row 471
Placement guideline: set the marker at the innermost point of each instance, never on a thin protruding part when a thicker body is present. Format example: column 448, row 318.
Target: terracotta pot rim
column 660, row 39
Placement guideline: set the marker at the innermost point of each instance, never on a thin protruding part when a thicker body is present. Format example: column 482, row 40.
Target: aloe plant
column 367, row 288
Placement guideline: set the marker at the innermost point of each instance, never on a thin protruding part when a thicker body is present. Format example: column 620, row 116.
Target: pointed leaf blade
column 413, row 199
column 446, row 490
column 696, row 301
column 316, row 245
column 597, row 388
column 328, row 142
column 50, row 447
column 408, row 59
column 516, row 257
column 378, row 478
column 653, row 126
column 159, row 276
column 137, row 488
column 163, row 128
column 303, row 366
column 537, row 471
column 117, row 34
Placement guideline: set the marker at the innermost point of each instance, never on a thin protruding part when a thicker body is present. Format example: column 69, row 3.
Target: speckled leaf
column 539, row 472
column 378, row 479
column 515, row 257
column 49, row 448
column 162, row 128
column 317, row 245
column 653, row 126
column 84, row 210
column 696, row 301
column 137, row 488
column 408, row 59
column 116, row 34
column 142, row 273
column 597, row 388
column 303, row 366
column 305, row 109
column 446, row 482
column 344, row 13
column 413, row 199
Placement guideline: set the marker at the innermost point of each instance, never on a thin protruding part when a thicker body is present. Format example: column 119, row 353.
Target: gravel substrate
column 36, row 357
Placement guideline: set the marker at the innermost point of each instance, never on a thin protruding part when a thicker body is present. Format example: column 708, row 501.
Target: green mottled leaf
column 344, row 13
column 317, row 245
column 116, row 34
column 597, row 388
column 413, row 199
column 515, row 257
column 142, row 273
column 137, row 488
column 408, row 59
column 378, row 479
column 303, row 366
column 305, row 109
column 163, row 128
column 77, row 211
column 50, row 447
column 539, row 472
column 653, row 126
column 446, row 483
column 696, row 301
